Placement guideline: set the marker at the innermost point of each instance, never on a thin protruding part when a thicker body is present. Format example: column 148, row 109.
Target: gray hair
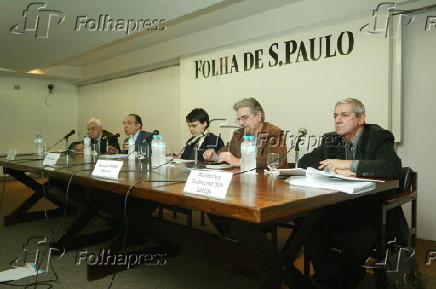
column 358, row 107
column 252, row 104
column 96, row 120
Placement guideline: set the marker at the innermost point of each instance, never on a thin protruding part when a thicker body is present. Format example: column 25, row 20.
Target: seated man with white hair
column 99, row 136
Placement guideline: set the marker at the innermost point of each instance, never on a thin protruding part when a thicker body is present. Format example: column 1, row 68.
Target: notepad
column 322, row 180
column 20, row 273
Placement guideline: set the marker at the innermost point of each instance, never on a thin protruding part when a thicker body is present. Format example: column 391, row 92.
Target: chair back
column 405, row 180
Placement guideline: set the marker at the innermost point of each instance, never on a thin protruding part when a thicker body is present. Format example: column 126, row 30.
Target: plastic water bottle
column 162, row 151
column 154, row 150
column 248, row 152
column 131, row 151
column 39, row 144
column 87, row 145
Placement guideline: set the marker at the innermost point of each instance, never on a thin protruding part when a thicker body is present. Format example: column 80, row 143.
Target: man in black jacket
column 202, row 139
column 98, row 136
column 345, row 234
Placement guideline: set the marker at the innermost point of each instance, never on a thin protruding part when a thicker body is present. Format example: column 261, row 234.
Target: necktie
column 349, row 151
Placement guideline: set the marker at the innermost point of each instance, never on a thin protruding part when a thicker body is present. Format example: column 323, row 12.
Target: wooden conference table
column 253, row 202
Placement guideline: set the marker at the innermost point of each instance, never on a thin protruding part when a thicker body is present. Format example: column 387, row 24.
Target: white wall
column 292, row 16
column 301, row 94
column 28, row 111
column 418, row 147
column 154, row 96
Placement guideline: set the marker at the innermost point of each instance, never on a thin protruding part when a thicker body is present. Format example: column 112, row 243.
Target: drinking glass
column 94, row 149
column 142, row 152
column 169, row 153
column 273, row 161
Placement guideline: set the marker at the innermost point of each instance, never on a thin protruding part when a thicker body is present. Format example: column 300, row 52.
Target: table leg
column 21, row 214
column 280, row 263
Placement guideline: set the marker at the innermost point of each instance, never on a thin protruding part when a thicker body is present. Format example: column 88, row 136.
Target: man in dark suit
column 198, row 123
column 138, row 208
column 133, row 126
column 345, row 234
column 102, row 138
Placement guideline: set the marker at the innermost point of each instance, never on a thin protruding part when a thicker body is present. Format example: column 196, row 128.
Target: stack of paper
column 20, row 273
column 322, row 180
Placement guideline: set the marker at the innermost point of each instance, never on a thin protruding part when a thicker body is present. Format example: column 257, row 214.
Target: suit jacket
column 377, row 159
column 141, row 140
column 107, row 139
column 375, row 152
column 270, row 140
column 113, row 141
column 211, row 141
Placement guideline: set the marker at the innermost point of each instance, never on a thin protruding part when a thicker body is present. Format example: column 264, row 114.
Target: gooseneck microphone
column 150, row 137
column 301, row 132
column 110, row 136
column 69, row 134
column 197, row 138
column 64, row 138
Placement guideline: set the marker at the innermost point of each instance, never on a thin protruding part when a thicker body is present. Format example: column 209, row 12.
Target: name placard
column 208, row 183
column 11, row 155
column 107, row 169
column 51, row 159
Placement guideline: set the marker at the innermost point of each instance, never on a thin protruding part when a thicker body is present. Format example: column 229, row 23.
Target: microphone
column 64, row 138
column 302, row 132
column 197, row 138
column 110, row 136
column 150, row 137
column 69, row 134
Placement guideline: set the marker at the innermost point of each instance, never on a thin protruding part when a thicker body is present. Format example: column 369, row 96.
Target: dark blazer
column 106, row 139
column 375, row 152
column 377, row 159
column 211, row 141
column 144, row 139
column 113, row 141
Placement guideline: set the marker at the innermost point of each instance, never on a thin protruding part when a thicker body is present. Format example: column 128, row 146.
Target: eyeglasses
column 243, row 118
column 129, row 122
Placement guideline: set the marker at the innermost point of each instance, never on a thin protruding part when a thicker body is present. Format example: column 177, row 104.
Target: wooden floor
column 183, row 271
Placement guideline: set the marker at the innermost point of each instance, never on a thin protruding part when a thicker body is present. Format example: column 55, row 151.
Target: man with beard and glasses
column 269, row 138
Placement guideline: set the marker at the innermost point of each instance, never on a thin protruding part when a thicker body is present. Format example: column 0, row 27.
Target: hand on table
column 229, row 158
column 336, row 166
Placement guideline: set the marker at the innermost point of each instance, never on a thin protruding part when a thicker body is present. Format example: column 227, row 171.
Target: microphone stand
column 196, row 165
column 66, row 143
column 297, row 152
